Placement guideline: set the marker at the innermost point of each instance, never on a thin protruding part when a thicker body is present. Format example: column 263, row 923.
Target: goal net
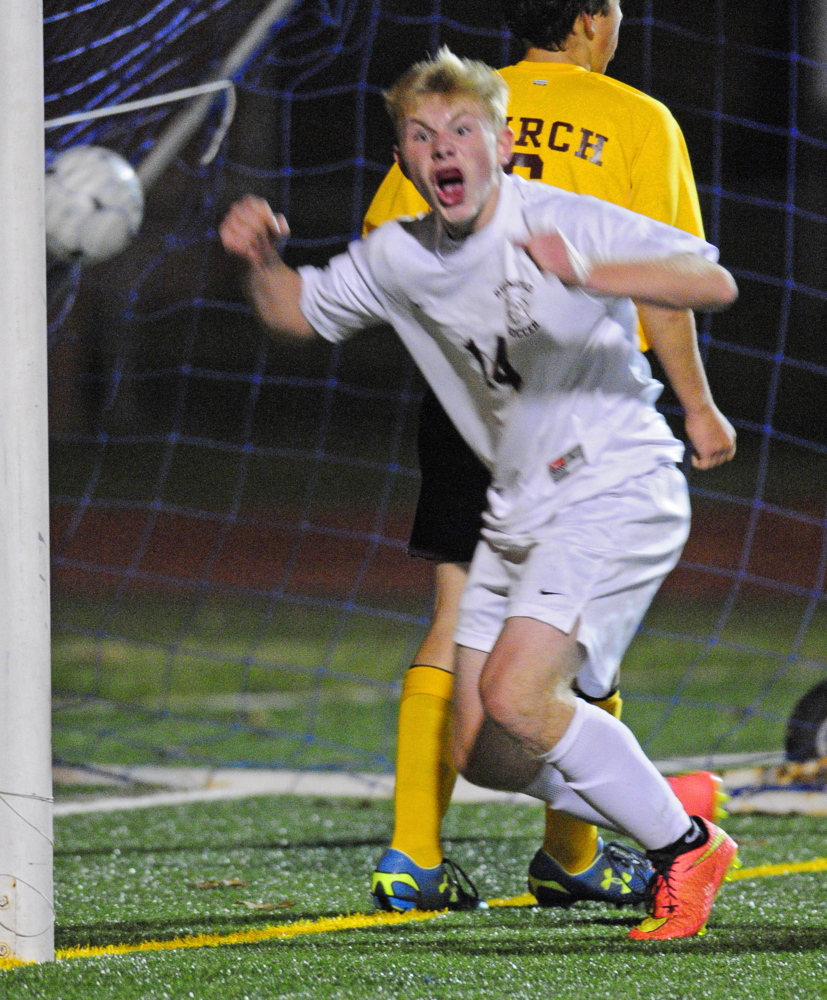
column 229, row 516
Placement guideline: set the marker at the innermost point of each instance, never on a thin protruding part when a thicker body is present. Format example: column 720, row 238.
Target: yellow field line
column 268, row 933
column 525, row 900
column 353, row 921
column 794, row 868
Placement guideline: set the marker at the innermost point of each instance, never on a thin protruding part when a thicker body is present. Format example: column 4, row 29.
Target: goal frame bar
column 26, row 849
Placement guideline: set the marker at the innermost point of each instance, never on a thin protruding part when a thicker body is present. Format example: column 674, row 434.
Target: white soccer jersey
column 544, row 382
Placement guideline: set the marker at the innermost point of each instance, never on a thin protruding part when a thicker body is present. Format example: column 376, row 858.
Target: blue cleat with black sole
column 400, row 884
column 619, row 875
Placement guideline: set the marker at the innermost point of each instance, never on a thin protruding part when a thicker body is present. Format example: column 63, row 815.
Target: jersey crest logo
column 516, row 296
column 566, row 464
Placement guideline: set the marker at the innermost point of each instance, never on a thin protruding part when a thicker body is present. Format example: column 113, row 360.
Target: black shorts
column 452, row 495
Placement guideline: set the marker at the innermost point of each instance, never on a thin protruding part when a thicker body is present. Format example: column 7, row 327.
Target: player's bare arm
column 252, row 231
column 671, row 334
column 682, row 281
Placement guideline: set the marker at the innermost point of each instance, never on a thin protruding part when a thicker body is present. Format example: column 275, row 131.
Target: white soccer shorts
column 600, row 561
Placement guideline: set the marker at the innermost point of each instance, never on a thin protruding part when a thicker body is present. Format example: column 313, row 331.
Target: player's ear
column 505, row 145
column 400, row 162
column 587, row 20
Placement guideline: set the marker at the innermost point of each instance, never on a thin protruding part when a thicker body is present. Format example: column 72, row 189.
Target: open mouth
column 450, row 186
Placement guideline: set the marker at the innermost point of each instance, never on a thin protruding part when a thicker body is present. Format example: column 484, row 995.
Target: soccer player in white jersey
column 514, row 299
column 583, row 131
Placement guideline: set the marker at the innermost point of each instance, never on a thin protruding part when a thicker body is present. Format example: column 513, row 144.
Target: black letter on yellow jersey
column 530, row 128
column 531, row 161
column 586, row 147
column 562, row 147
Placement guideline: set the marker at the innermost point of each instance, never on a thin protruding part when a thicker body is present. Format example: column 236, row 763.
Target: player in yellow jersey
column 578, row 129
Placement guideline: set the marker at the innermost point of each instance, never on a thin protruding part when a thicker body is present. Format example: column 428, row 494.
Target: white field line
column 181, row 785
column 200, row 785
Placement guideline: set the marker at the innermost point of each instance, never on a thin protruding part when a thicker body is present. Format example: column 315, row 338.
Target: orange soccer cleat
column 684, row 886
column 700, row 794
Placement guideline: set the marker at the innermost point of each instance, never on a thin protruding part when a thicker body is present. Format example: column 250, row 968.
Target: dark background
column 311, row 134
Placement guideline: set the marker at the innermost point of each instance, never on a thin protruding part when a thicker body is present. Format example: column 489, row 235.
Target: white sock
column 602, row 762
column 550, row 786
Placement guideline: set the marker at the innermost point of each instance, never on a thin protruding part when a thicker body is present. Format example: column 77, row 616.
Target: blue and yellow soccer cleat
column 400, row 884
column 619, row 875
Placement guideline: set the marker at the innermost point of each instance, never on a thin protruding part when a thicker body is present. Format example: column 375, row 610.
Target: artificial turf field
column 133, row 880
column 151, row 676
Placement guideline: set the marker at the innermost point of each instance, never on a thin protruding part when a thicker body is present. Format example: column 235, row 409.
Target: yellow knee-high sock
column 425, row 775
column 571, row 842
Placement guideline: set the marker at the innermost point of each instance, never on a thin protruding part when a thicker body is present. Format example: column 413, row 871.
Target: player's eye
column 463, row 129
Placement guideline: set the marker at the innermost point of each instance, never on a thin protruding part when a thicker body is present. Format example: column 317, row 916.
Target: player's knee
column 499, row 699
column 507, row 700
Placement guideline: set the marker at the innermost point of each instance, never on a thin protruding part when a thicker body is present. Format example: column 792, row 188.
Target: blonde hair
column 450, row 77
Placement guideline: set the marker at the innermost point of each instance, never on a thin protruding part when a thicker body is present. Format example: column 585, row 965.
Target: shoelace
column 456, row 876
column 662, row 864
column 623, row 857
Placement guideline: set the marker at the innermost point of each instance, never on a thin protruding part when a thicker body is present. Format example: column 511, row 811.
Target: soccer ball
column 94, row 204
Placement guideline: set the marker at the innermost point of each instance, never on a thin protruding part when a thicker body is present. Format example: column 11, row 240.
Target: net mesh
column 229, row 515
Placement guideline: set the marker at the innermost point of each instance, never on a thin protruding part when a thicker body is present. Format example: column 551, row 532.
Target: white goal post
column 26, row 853
column 26, row 847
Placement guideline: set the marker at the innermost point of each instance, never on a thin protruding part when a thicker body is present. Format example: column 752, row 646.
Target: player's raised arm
column 680, row 281
column 671, row 334
column 252, row 232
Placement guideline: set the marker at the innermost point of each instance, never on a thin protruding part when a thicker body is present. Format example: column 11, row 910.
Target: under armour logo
column 622, row 883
